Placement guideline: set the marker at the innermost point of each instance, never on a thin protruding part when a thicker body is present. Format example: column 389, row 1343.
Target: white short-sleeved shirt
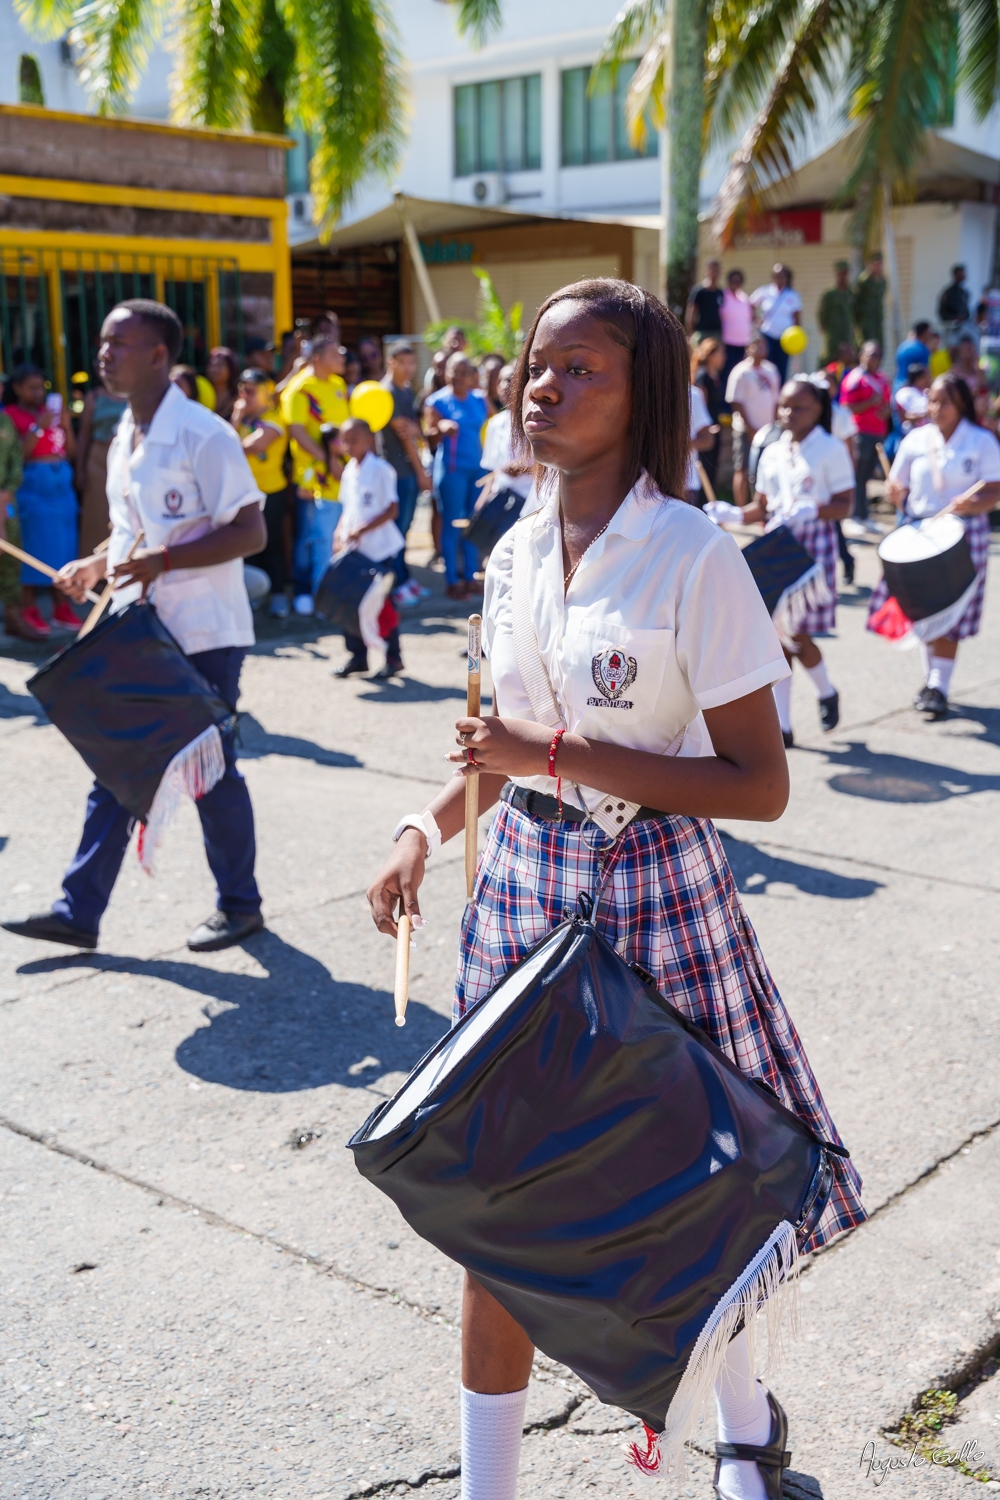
column 496, row 455
column 665, row 590
column 935, row 471
column 366, row 490
column 777, row 307
column 756, row 388
column 700, row 419
column 188, row 476
column 816, row 469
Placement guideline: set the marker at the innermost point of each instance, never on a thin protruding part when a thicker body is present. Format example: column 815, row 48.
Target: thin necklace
column 568, row 577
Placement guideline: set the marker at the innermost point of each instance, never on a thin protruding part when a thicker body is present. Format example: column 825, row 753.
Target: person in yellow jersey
column 265, row 443
column 307, row 406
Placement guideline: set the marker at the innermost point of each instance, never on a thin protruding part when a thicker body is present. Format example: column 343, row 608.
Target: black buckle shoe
column 771, row 1461
column 224, row 929
column 920, row 699
column 935, row 704
column 354, row 664
column 46, row 927
column 829, row 711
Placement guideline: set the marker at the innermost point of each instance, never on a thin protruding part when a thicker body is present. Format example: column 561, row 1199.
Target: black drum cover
column 777, row 562
column 128, row 700
column 342, row 588
column 599, row 1165
column 494, row 519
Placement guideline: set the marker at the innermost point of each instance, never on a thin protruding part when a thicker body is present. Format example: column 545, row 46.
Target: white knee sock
column 783, row 702
column 744, row 1417
column 925, row 658
column 820, row 679
column 491, row 1444
column 939, row 675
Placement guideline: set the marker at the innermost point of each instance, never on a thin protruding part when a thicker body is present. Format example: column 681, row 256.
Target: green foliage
column 495, row 331
column 273, row 71
column 921, row 1430
column 29, row 81
column 217, row 43
column 477, row 19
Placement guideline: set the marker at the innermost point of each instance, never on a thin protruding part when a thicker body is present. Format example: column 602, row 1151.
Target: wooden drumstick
column 706, row 483
column 39, row 566
column 882, row 459
column 402, row 984
column 472, row 705
column 105, row 599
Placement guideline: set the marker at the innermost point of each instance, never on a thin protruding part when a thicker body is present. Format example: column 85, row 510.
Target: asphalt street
column 201, row 1297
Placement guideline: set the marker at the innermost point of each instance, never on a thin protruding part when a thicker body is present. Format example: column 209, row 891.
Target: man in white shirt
column 778, row 307
column 752, row 391
column 178, row 474
column 368, row 524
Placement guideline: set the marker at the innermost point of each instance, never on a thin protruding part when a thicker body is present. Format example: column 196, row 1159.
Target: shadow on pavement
column 754, row 871
column 860, row 772
column 20, row 706
column 987, row 718
column 256, row 741
column 797, row 1486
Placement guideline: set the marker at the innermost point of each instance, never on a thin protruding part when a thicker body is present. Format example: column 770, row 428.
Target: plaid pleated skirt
column 668, row 902
column 819, row 538
column 977, row 530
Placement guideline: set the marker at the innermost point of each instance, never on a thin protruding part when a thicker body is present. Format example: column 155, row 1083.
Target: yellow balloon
column 794, row 340
column 372, row 403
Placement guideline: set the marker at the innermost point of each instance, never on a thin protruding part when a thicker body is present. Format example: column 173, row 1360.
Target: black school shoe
column 392, row 668
column 772, row 1460
column 352, row 665
column 787, row 738
column 935, row 704
column 920, row 699
column 829, row 711
column 48, row 928
column 224, row 930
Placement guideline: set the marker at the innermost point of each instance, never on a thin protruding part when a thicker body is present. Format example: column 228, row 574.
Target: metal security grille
column 54, row 301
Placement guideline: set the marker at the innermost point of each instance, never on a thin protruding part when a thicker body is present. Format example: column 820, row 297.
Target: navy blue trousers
column 226, row 821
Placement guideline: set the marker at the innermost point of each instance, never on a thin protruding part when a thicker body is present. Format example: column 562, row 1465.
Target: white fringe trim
column 769, row 1283
column 811, row 591
column 935, row 626
column 192, row 772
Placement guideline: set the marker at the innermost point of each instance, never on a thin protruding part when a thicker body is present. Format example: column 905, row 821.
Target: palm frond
column 980, row 68
column 477, row 19
column 641, row 23
column 272, row 73
column 348, row 93
column 46, row 19
column 216, row 44
column 113, row 39
column 899, row 77
column 809, row 63
column 632, row 27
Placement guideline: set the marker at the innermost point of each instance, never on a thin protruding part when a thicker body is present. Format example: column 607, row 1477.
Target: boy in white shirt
column 368, row 523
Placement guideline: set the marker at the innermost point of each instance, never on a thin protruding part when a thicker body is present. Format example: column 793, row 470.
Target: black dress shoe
column 787, row 738
column 224, row 930
column 920, row 699
column 771, row 1459
column 829, row 711
column 49, row 928
column 935, row 704
column 355, row 664
column 391, row 669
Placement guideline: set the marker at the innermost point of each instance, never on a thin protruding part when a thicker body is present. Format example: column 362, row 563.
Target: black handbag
column 594, row 1160
column 342, row 588
column 492, row 520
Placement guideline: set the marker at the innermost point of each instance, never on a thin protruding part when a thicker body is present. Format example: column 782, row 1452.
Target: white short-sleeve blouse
column 661, row 621
column 935, row 471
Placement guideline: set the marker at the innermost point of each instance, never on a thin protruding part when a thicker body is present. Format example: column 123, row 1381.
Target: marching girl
column 659, row 657
column 805, row 481
column 949, row 464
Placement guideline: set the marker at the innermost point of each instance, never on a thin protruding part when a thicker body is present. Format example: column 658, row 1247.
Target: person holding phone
column 46, row 501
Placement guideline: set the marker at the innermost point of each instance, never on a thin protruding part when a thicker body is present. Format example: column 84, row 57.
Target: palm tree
column 332, row 66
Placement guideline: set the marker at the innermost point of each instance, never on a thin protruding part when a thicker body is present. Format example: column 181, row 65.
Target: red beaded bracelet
column 553, row 751
column 166, row 559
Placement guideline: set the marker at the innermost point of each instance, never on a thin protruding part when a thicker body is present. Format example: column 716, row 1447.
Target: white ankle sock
column 925, row 658
column 491, row 1444
column 783, row 702
column 744, row 1416
column 939, row 675
column 820, row 679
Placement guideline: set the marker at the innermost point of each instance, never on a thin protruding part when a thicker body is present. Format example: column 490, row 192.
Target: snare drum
column 928, row 565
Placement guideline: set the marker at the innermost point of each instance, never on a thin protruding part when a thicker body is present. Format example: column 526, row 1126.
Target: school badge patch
column 613, row 673
column 173, row 500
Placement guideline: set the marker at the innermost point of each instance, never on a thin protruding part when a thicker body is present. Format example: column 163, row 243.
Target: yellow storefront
column 95, row 210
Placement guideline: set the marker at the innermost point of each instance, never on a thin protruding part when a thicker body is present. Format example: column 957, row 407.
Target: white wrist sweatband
column 426, row 823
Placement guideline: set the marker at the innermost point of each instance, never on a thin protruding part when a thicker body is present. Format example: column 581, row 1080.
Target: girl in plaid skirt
column 951, row 464
column 805, row 481
column 633, row 662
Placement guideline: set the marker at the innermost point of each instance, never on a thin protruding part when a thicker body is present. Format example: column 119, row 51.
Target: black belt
column 541, row 805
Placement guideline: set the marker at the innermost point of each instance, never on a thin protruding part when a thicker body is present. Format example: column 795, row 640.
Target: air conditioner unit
column 488, row 189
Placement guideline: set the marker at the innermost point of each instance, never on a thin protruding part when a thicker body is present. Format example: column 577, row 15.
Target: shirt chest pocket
column 171, row 495
column 616, row 673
